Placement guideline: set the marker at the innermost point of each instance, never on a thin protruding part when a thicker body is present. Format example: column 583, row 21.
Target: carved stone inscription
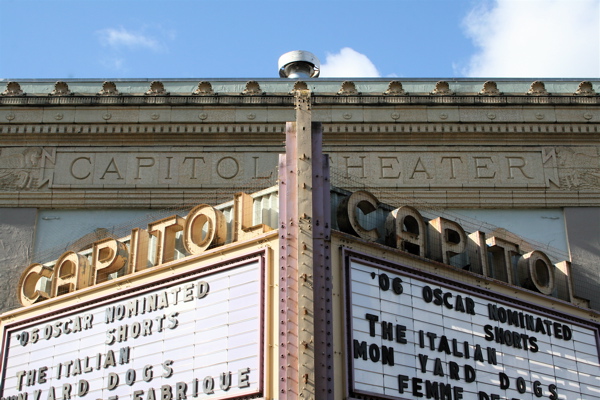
column 171, row 168
column 549, row 168
column 466, row 168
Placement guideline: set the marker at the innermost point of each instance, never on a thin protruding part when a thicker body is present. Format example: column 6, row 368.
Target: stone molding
column 299, row 85
column 256, row 97
column 163, row 198
column 585, row 88
column 13, row 89
column 395, row 89
column 204, row 89
column 109, row 89
column 538, row 88
column 278, row 87
column 490, row 88
column 263, row 134
column 61, row 89
column 252, row 89
column 157, row 88
column 350, row 110
column 442, row 88
column 348, row 88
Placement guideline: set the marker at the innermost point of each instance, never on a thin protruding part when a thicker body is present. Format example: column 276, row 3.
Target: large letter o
column 204, row 226
column 536, row 272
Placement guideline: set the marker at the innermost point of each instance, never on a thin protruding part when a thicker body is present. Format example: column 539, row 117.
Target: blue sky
column 102, row 39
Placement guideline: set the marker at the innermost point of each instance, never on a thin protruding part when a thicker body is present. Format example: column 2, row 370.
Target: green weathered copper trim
column 278, row 86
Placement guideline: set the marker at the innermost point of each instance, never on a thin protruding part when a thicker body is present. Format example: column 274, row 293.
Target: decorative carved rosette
column 490, row 88
column 109, row 89
column 204, row 89
column 395, row 89
column 585, row 89
column 252, row 89
column 157, row 88
column 348, row 88
column 442, row 88
column 538, row 88
column 61, row 89
column 299, row 85
column 13, row 89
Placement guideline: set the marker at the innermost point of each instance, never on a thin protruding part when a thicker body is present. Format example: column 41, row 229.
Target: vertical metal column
column 322, row 274
column 288, row 269
column 306, row 351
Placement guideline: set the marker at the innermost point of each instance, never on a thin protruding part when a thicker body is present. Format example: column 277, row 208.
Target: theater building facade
column 300, row 239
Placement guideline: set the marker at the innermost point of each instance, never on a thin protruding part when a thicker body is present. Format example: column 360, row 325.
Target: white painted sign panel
column 411, row 338
column 198, row 336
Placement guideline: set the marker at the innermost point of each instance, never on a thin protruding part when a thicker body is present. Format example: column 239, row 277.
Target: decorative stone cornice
column 157, row 88
column 229, row 87
column 204, row 88
column 252, row 89
column 149, row 99
column 162, row 198
column 13, row 89
column 585, row 89
column 60, row 89
column 279, row 92
column 174, row 101
column 395, row 89
column 490, row 88
column 538, row 88
column 109, row 89
column 299, row 85
column 336, row 133
column 348, row 88
column 455, row 99
column 442, row 88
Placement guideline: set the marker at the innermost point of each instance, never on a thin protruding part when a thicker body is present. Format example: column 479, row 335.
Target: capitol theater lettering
column 440, row 239
column 204, row 226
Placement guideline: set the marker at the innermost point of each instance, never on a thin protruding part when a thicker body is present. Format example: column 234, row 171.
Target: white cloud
column 535, row 38
column 117, row 38
column 348, row 63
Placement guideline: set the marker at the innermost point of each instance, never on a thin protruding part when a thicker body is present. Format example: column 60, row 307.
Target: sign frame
column 165, row 281
column 397, row 267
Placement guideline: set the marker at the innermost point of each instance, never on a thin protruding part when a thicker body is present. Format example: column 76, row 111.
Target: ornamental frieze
column 21, row 168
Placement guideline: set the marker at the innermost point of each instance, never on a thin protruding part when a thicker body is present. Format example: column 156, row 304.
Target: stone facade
column 17, row 228
column 354, row 251
column 448, row 144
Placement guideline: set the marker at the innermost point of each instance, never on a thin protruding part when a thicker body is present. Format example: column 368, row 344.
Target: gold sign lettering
column 203, row 227
column 440, row 239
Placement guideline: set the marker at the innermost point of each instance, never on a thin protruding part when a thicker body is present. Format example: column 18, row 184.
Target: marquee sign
column 196, row 336
column 413, row 337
